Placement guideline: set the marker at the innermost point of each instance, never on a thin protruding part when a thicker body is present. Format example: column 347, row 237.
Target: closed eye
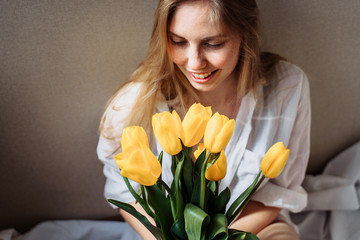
column 177, row 42
column 214, row 45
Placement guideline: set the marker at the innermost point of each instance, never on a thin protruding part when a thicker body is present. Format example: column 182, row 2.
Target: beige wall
column 61, row 60
column 323, row 38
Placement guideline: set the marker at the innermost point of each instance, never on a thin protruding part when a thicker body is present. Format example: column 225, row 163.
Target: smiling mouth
column 202, row 77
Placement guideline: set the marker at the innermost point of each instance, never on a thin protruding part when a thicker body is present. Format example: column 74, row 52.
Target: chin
column 203, row 87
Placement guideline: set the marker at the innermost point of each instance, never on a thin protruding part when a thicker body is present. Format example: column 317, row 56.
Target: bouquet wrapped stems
column 192, row 207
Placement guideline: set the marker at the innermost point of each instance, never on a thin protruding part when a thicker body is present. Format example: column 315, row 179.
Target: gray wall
column 323, row 38
column 61, row 60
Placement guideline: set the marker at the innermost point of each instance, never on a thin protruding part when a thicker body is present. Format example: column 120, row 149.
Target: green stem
column 247, row 199
column 141, row 201
column 143, row 194
column 243, row 204
column 171, row 195
column 167, row 188
column 203, row 182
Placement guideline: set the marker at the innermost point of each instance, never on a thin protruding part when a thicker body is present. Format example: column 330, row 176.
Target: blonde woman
column 208, row 51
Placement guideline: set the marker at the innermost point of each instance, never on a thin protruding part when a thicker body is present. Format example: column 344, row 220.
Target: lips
column 202, row 77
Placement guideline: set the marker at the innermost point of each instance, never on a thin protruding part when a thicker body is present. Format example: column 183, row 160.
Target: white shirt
column 281, row 114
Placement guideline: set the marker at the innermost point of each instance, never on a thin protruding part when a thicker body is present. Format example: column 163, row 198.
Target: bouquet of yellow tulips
column 191, row 207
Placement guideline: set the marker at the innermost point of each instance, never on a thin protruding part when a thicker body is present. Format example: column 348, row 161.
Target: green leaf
column 161, row 157
column 217, row 228
column 196, row 220
column 173, row 164
column 162, row 208
column 199, row 162
column 217, row 204
column 170, row 195
column 130, row 209
column 178, row 229
column 160, row 177
column 213, row 187
column 203, row 190
column 241, row 235
column 195, row 196
column 141, row 201
column 178, row 192
column 231, row 213
column 187, row 173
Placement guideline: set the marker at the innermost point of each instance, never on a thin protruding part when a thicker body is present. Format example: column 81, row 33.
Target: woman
column 208, row 51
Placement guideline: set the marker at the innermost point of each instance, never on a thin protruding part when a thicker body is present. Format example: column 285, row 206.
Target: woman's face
column 204, row 51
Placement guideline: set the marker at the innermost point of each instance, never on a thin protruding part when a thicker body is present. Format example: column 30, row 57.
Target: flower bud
column 217, row 171
column 139, row 164
column 133, row 136
column 194, row 123
column 218, row 132
column 168, row 129
column 274, row 160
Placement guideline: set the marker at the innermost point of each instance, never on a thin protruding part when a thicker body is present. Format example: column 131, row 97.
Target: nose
column 196, row 58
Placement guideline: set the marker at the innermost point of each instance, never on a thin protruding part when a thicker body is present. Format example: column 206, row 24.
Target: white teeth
column 202, row 75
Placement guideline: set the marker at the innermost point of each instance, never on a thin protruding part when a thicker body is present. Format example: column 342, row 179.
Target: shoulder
column 287, row 82
column 127, row 95
column 287, row 74
column 122, row 104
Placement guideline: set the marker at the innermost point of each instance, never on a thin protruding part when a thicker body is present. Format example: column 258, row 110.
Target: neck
column 223, row 100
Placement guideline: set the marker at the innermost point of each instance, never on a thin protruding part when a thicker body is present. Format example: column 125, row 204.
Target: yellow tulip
column 218, row 132
column 194, row 123
column 274, row 160
column 199, row 150
column 139, row 164
column 168, row 129
column 133, row 136
column 217, row 171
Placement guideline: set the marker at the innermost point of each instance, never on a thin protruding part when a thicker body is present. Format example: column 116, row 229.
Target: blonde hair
column 161, row 79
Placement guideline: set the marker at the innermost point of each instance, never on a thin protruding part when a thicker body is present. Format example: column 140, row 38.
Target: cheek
column 176, row 56
column 224, row 60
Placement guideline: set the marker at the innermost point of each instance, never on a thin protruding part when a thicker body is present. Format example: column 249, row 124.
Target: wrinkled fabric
column 75, row 230
column 333, row 210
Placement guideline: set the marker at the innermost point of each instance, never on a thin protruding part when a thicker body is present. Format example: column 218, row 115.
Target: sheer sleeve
column 291, row 104
column 109, row 145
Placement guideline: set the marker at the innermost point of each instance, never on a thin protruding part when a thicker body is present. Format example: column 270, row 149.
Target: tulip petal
column 194, row 131
column 141, row 177
column 278, row 165
column 199, row 150
column 168, row 140
column 270, row 155
column 194, row 123
column 177, row 124
column 140, row 166
column 211, row 130
column 165, row 126
column 133, row 136
column 217, row 171
column 224, row 136
column 274, row 160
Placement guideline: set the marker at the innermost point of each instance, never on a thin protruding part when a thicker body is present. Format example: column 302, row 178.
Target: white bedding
column 75, row 230
column 333, row 210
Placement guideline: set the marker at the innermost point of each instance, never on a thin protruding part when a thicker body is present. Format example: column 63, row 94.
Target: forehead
column 194, row 16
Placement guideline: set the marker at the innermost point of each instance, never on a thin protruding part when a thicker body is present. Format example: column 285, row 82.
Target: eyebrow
column 205, row 39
